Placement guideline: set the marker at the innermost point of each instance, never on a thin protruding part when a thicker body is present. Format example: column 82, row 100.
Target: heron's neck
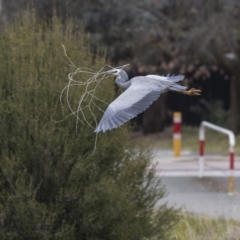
column 122, row 80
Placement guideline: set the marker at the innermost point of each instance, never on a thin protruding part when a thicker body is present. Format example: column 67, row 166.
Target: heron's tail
column 175, row 78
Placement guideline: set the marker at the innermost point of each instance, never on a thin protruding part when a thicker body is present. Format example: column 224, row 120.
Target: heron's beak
column 112, row 71
column 123, row 66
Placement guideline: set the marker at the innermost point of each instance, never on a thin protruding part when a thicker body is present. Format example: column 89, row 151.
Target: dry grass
column 205, row 228
column 216, row 143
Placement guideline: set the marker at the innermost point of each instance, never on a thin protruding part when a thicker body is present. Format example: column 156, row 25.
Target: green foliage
column 52, row 186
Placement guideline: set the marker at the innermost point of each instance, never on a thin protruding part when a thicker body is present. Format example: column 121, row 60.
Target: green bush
column 52, row 186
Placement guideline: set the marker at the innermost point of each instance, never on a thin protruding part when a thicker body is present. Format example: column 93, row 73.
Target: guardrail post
column 231, row 178
column 201, row 150
column 177, row 120
column 231, row 138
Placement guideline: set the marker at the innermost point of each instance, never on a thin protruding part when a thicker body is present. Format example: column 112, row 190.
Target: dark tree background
column 197, row 38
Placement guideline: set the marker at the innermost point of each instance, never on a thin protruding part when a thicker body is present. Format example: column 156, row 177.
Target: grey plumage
column 140, row 93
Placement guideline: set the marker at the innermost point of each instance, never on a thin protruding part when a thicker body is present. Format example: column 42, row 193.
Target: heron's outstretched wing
column 129, row 104
column 172, row 78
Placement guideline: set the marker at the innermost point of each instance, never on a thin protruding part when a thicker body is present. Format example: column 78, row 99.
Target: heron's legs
column 193, row 92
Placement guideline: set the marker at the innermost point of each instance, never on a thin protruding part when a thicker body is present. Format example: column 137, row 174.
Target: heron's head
column 115, row 71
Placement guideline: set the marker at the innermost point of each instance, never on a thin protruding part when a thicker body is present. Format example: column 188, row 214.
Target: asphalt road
column 204, row 196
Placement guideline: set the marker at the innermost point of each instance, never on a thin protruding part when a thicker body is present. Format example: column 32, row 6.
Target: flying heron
column 140, row 92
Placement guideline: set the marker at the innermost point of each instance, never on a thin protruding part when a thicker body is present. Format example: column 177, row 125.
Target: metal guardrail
column 232, row 142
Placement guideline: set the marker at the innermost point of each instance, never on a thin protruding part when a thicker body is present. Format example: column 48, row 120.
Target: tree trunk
column 154, row 117
column 235, row 103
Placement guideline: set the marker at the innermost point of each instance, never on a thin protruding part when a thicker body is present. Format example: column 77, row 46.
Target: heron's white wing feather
column 137, row 98
column 167, row 78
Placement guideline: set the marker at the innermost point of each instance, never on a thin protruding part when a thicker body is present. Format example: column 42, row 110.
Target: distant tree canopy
column 165, row 34
column 147, row 31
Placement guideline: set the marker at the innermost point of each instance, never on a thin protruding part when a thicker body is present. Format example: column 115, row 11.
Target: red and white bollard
column 231, row 178
column 231, row 151
column 177, row 124
column 201, row 151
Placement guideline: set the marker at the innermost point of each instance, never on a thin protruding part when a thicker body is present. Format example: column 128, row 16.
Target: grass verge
column 205, row 228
